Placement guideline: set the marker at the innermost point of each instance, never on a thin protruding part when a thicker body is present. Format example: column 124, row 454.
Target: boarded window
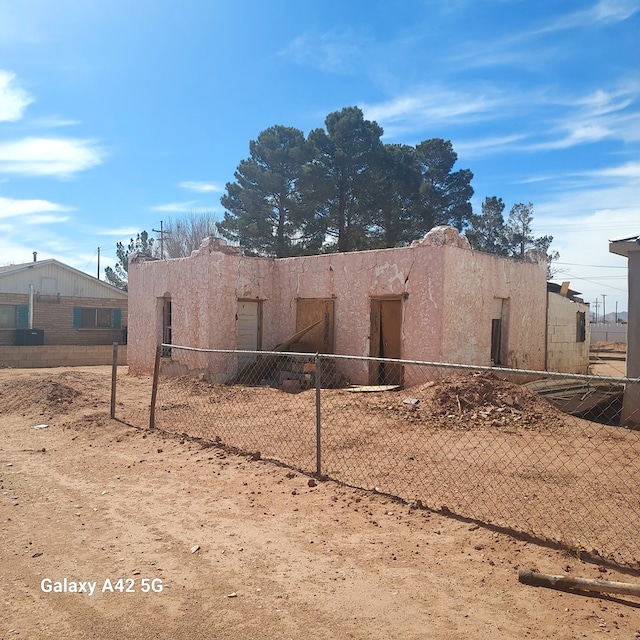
column 309, row 311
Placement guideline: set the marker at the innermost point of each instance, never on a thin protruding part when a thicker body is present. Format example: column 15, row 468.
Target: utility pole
column 616, row 312
column 597, row 303
column 162, row 233
column 98, row 263
column 604, row 308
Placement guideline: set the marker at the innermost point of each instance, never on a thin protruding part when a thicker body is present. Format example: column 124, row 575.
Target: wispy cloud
column 54, row 122
column 487, row 146
column 602, row 12
column 57, row 157
column 13, row 99
column 201, row 187
column 119, row 232
column 46, row 219
column 334, row 51
column 600, row 115
column 516, row 48
column 10, row 207
column 176, row 207
column 429, row 106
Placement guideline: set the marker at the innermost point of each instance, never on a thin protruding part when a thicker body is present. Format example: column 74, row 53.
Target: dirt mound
column 50, row 393
column 471, row 401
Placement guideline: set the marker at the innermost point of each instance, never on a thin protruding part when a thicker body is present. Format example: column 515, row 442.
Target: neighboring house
column 48, row 302
column 630, row 248
column 568, row 330
column 436, row 300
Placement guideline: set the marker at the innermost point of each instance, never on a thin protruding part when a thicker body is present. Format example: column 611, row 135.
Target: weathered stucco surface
column 447, row 292
column 473, row 281
column 565, row 353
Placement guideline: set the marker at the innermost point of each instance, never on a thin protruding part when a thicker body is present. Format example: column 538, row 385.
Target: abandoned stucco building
column 436, row 300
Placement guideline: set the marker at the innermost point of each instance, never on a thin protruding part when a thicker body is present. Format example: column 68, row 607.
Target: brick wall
column 54, row 315
column 39, row 356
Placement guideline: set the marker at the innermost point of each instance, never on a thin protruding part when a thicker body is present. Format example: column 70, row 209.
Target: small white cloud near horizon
column 11, row 207
column 56, row 157
column 121, row 232
column 46, row 219
column 201, row 187
column 13, row 99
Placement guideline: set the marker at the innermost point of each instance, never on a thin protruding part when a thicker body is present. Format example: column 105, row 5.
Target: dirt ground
column 608, row 359
column 210, row 544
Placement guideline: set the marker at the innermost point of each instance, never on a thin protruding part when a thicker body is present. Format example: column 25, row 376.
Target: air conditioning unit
column 29, row 337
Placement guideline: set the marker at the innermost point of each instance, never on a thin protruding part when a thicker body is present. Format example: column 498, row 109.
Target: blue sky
column 116, row 115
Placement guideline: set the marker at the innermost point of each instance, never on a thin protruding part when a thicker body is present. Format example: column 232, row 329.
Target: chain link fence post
column 318, row 416
column 154, row 388
column 114, row 379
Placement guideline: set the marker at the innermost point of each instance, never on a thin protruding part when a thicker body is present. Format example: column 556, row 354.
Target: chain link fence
column 556, row 456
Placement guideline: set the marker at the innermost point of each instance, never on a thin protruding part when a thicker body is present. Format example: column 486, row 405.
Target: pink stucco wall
column 473, row 280
column 444, row 285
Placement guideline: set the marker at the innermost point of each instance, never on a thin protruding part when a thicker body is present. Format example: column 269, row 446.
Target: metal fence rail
column 489, row 444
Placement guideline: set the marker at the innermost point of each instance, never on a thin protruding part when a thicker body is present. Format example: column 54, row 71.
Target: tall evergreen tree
column 341, row 178
column 264, row 203
column 400, row 178
column 488, row 232
column 445, row 194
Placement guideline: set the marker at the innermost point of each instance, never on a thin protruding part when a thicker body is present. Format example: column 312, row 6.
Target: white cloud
column 13, row 99
column 176, row 207
column 59, row 157
column 10, row 207
column 201, row 187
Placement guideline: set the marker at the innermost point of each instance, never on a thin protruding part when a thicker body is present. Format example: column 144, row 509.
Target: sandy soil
column 243, row 548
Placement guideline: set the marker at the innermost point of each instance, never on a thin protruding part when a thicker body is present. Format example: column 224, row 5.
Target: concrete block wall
column 43, row 356
column 564, row 353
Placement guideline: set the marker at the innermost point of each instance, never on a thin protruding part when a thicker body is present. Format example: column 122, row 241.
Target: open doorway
column 386, row 341
column 499, row 327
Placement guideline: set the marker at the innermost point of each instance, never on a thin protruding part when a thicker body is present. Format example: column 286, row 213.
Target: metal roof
column 45, row 265
column 622, row 246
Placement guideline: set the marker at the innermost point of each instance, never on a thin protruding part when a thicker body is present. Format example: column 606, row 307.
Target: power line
column 596, row 266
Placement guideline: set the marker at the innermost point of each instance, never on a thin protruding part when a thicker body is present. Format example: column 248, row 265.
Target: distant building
column 48, row 302
column 568, row 330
